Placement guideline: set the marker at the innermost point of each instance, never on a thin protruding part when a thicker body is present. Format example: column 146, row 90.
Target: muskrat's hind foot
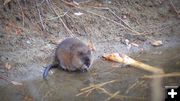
column 84, row 70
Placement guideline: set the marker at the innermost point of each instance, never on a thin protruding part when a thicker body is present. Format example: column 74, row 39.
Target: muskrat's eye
column 80, row 53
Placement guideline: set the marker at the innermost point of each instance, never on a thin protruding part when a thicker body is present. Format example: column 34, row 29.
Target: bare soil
column 30, row 31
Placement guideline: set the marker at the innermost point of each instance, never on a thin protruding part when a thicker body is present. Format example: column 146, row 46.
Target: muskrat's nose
column 87, row 61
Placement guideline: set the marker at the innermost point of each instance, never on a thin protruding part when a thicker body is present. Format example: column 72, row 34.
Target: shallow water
column 63, row 86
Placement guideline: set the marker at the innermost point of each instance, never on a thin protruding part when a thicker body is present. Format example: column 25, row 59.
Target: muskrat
column 71, row 55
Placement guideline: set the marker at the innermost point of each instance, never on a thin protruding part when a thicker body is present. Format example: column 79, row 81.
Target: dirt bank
column 29, row 31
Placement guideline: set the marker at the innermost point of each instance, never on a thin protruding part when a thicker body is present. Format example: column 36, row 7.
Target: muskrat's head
column 82, row 57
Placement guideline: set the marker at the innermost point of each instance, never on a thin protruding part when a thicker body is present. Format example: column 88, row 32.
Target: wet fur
column 71, row 55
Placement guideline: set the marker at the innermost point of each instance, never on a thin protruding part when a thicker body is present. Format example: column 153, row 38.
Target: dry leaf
column 7, row 66
column 157, row 43
column 6, row 2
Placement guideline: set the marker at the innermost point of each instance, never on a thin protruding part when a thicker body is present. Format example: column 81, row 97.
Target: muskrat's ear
column 91, row 46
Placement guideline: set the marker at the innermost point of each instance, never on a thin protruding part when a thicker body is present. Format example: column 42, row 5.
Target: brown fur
column 71, row 54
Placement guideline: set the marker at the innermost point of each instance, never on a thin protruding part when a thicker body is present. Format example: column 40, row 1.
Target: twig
column 175, row 74
column 99, row 85
column 133, row 31
column 70, row 4
column 101, row 7
column 53, row 18
column 70, row 32
column 122, row 97
column 120, row 19
column 49, row 5
column 174, row 8
column 93, row 87
column 12, row 82
column 86, row 91
column 112, row 96
column 46, row 94
column 41, row 2
column 40, row 17
column 129, row 29
column 104, row 91
column 132, row 86
column 21, row 11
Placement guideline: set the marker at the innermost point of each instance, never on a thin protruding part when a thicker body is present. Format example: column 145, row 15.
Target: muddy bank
column 27, row 44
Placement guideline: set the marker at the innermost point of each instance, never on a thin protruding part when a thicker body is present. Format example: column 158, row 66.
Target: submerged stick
column 121, row 97
column 133, row 85
column 101, row 84
column 112, row 96
column 12, row 82
column 93, row 87
column 122, row 58
column 174, row 74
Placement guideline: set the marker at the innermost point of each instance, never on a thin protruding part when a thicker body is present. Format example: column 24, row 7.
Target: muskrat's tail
column 47, row 68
